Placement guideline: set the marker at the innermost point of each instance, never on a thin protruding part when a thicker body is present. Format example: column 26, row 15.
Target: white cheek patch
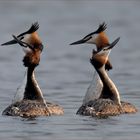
column 93, row 39
column 27, row 50
column 26, row 38
column 104, row 53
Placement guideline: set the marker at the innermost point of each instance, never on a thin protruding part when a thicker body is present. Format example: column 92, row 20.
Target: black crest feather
column 32, row 29
column 101, row 28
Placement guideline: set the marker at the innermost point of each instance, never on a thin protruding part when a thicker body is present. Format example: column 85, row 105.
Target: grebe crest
column 98, row 37
column 29, row 37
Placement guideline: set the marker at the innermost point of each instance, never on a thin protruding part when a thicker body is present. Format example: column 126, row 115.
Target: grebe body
column 105, row 107
column 32, row 108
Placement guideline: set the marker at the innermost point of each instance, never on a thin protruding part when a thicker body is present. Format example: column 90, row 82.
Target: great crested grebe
column 33, row 103
column 109, row 103
column 100, row 39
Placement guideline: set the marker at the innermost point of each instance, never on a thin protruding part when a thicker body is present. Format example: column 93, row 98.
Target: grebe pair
column 104, row 101
column 32, row 103
column 102, row 98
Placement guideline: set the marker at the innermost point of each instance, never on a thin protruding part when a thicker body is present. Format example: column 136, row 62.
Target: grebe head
column 99, row 58
column 31, row 44
column 98, row 37
column 31, row 57
column 29, row 37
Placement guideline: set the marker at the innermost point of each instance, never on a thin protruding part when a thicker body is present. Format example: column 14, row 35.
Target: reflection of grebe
column 108, row 104
column 33, row 103
column 100, row 39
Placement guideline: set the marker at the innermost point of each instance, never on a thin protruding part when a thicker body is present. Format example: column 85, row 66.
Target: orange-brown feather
column 34, row 39
column 99, row 60
column 32, row 58
column 102, row 40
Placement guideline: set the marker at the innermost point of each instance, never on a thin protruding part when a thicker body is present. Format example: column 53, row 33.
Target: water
column 65, row 72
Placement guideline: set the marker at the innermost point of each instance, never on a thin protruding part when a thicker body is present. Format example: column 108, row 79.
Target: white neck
column 39, row 89
column 109, row 85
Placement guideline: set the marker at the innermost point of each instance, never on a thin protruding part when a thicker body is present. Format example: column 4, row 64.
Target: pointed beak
column 78, row 42
column 10, row 42
column 14, row 41
column 113, row 44
column 21, row 43
column 18, row 41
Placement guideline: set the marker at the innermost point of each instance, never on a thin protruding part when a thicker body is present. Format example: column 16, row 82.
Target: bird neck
column 109, row 88
column 32, row 89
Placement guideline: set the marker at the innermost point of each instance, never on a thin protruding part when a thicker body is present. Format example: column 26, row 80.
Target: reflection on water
column 65, row 72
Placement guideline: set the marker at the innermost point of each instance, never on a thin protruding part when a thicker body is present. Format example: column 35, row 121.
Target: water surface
column 64, row 73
